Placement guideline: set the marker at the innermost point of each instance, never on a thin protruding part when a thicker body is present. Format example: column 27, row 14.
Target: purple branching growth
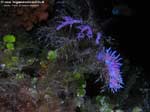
column 98, row 38
column 85, row 30
column 113, row 65
column 68, row 22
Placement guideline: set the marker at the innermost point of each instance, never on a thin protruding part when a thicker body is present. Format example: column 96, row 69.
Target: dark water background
column 128, row 30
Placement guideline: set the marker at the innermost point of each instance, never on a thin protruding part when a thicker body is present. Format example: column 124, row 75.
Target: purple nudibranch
column 113, row 65
column 98, row 38
column 85, row 30
column 68, row 22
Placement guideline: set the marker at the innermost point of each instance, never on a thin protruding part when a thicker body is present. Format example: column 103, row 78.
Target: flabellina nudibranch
column 84, row 30
column 98, row 38
column 68, row 21
column 114, row 80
